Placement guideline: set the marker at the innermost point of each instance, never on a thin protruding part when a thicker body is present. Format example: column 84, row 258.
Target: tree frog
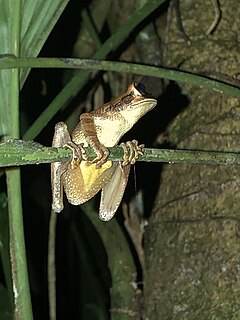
column 82, row 179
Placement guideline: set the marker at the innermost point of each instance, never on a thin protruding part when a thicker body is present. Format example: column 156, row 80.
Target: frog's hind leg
column 113, row 191
column 61, row 137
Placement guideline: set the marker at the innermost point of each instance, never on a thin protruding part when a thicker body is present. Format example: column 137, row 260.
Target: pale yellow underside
column 82, row 183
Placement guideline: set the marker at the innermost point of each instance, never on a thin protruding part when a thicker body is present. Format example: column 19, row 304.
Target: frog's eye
column 140, row 87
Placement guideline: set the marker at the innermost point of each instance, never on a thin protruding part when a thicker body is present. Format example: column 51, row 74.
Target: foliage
column 97, row 266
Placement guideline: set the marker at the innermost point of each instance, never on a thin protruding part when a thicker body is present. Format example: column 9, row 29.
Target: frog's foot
column 102, row 154
column 78, row 154
column 131, row 151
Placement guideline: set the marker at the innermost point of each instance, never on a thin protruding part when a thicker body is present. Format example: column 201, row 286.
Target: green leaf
column 5, row 36
column 38, row 20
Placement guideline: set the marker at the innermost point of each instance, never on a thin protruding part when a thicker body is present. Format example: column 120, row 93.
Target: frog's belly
column 82, row 183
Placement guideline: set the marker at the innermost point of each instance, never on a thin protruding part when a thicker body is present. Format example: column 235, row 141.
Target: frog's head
column 135, row 103
column 131, row 105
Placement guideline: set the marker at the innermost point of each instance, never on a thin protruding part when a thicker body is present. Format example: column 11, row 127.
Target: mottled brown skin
column 99, row 129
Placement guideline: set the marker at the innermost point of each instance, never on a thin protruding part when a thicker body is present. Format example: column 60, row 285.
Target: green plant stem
column 22, row 301
column 20, row 283
column 19, row 152
column 89, row 64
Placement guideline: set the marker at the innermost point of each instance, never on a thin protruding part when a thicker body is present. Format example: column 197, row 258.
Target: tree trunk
column 192, row 241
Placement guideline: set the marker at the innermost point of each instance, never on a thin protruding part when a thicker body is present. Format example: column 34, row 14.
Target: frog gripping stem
column 131, row 151
column 99, row 129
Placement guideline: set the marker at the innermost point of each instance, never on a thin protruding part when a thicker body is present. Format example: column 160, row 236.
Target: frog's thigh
column 84, row 182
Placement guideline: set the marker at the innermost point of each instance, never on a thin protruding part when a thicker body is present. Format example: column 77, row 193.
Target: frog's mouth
column 139, row 102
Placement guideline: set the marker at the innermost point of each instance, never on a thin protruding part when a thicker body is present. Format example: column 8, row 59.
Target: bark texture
column 193, row 239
